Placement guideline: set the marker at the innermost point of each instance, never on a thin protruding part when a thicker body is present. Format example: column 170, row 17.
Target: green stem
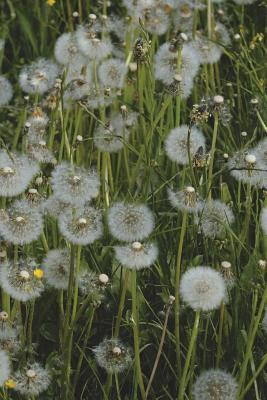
column 136, row 337
column 193, row 338
column 121, row 303
column 219, row 345
column 177, row 290
column 212, row 152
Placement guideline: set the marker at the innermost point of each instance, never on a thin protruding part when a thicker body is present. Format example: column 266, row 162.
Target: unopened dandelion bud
column 3, row 316
column 103, row 278
column 24, row 275
column 116, row 351
column 250, row 159
column 218, row 99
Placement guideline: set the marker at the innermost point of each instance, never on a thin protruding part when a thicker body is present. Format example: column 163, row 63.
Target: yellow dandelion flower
column 51, row 2
column 38, row 273
column 10, row 384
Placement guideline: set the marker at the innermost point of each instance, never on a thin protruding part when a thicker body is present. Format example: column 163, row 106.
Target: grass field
column 133, row 190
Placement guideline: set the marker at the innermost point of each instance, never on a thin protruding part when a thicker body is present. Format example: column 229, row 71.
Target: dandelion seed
column 20, row 223
column 203, row 288
column 19, row 281
column 16, row 172
column 185, row 200
column 214, row 217
column 32, row 380
column 176, row 143
column 5, row 369
column 56, row 268
column 136, row 255
column 6, row 91
column 113, row 356
column 39, row 76
column 81, row 226
column 215, row 384
column 74, row 185
column 130, row 222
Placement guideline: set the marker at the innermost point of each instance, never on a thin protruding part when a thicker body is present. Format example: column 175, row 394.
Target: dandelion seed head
column 39, row 76
column 83, row 226
column 136, row 255
column 93, row 285
column 6, row 91
column 130, row 222
column 16, row 172
column 74, row 185
column 113, row 356
column 176, row 143
column 207, row 52
column 185, row 200
column 32, row 380
column 215, row 384
column 92, row 47
column 248, row 168
column 5, row 368
column 56, row 268
column 202, row 288
column 112, row 73
column 20, row 223
column 19, row 281
column 67, row 51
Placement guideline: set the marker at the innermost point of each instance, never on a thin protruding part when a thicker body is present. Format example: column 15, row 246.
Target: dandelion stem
column 212, row 152
column 121, row 303
column 193, row 338
column 136, row 337
column 219, row 345
column 250, row 342
column 177, row 290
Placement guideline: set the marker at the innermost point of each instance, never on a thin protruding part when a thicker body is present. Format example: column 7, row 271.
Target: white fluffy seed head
column 136, row 257
column 215, row 384
column 202, row 288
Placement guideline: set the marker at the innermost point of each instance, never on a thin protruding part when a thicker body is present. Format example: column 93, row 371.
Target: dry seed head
column 103, row 278
column 226, row 264
column 190, row 189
